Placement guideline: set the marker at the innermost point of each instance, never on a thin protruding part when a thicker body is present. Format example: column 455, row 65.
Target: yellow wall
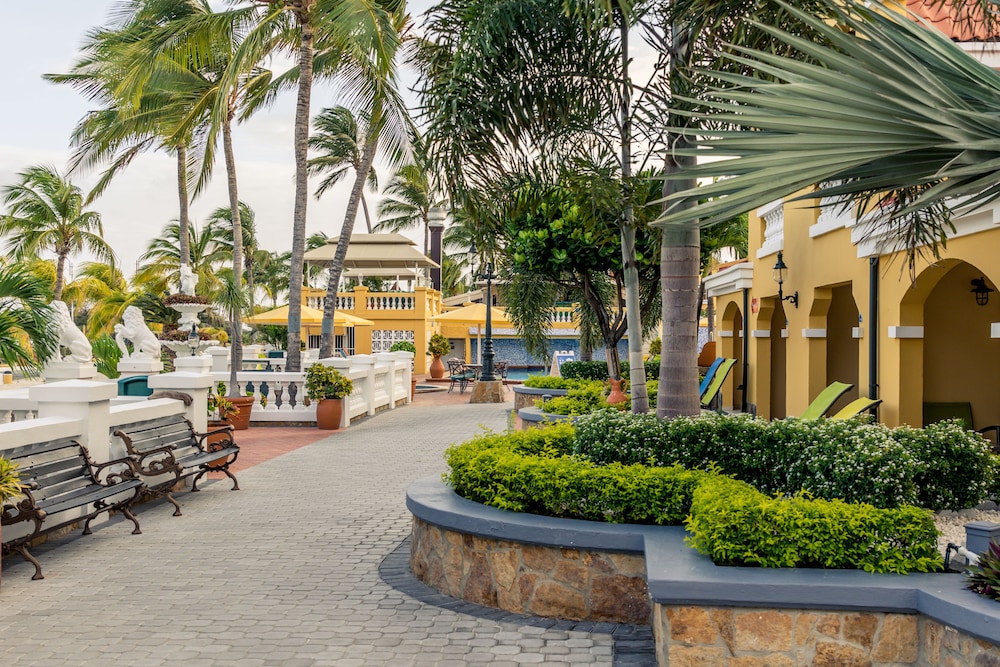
column 956, row 360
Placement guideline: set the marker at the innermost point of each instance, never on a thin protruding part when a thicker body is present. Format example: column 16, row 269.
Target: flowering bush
column 326, row 382
column 220, row 405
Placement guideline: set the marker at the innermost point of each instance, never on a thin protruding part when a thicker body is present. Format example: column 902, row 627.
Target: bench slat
column 96, row 492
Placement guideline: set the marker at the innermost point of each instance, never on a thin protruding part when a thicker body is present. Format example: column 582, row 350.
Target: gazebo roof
column 374, row 251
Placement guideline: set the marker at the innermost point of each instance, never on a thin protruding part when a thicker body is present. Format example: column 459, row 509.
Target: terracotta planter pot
column 329, row 412
column 243, row 405
column 616, row 395
column 413, row 388
column 437, row 368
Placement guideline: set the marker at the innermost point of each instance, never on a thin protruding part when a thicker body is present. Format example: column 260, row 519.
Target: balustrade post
column 406, row 360
column 196, row 385
column 220, row 359
column 86, row 400
column 366, row 363
column 390, row 360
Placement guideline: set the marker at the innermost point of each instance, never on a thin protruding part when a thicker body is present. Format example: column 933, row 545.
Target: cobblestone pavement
column 304, row 567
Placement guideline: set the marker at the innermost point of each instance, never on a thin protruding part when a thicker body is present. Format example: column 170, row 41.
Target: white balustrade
column 391, row 302
column 773, row 217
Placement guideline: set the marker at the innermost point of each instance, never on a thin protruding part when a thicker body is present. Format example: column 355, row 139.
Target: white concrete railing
column 90, row 410
column 392, row 302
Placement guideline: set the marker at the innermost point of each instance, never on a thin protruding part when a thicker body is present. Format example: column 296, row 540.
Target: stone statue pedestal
column 488, row 392
column 69, row 370
column 198, row 364
column 139, row 366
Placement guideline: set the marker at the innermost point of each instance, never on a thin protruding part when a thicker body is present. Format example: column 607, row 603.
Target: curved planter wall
column 525, row 397
column 533, row 417
column 702, row 614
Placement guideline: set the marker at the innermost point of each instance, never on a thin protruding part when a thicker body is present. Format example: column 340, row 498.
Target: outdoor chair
column 825, row 400
column 459, row 375
column 500, row 371
column 856, row 407
column 713, row 381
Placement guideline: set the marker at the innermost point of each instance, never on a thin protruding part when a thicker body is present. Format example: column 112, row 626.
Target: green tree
column 338, row 143
column 160, row 264
column 27, row 337
column 220, row 222
column 903, row 149
column 406, row 202
column 45, row 214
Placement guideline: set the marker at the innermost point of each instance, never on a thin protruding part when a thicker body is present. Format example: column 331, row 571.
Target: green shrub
column 438, row 345
column 581, row 400
column 403, row 346
column 655, row 346
column 499, row 470
column 955, row 467
column 735, row 524
column 943, row 466
column 551, row 382
column 584, row 370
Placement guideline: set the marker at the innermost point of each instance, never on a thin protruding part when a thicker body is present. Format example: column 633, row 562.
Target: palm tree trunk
column 57, row 290
column 183, row 216
column 633, row 317
column 326, row 348
column 236, row 311
column 368, row 216
column 294, row 351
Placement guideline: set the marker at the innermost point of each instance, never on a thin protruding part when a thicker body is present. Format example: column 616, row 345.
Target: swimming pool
column 521, row 373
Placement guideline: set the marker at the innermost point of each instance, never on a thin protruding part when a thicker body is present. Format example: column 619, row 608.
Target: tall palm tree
column 160, row 263
column 27, row 337
column 220, row 221
column 406, row 202
column 104, row 292
column 387, row 132
column 272, row 275
column 45, row 214
column 130, row 123
column 907, row 124
column 338, row 143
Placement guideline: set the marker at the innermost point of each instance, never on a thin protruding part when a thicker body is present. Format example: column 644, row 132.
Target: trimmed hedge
column 943, row 466
column 598, row 370
column 551, row 382
column 730, row 521
column 734, row 524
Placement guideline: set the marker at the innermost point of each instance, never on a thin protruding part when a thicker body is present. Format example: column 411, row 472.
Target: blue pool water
column 521, row 374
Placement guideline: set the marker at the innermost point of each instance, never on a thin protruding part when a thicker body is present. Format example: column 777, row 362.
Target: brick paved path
column 285, row 572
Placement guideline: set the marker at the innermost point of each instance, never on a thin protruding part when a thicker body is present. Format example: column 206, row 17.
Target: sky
column 37, row 118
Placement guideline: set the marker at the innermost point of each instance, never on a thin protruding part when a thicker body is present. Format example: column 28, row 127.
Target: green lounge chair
column 856, row 407
column 721, row 373
column 822, row 403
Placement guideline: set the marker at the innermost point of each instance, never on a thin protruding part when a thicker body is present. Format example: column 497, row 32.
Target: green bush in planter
column 10, row 480
column 438, row 346
column 584, row 370
column 403, row 346
column 326, row 382
column 552, row 382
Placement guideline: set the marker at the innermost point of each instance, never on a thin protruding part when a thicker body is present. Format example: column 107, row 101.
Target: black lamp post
column 487, row 360
column 778, row 273
column 193, row 340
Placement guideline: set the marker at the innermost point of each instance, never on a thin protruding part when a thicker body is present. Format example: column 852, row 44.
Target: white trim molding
column 857, row 332
column 906, row 332
column 814, row 333
column 760, row 333
column 729, row 280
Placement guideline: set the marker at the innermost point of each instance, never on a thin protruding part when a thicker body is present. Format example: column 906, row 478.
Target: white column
column 86, row 400
column 406, row 359
column 197, row 385
column 220, row 359
column 366, row 363
column 389, row 359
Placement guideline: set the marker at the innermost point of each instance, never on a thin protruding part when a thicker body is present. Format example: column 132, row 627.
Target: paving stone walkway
column 304, row 567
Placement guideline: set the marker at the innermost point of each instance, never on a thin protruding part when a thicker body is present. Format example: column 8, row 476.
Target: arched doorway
column 732, row 348
column 778, row 409
column 842, row 348
column 960, row 360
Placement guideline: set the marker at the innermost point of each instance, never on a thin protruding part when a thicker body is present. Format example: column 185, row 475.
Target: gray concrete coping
column 536, row 416
column 679, row 575
column 538, row 391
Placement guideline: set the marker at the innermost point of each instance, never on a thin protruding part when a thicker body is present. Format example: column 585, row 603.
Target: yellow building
column 858, row 318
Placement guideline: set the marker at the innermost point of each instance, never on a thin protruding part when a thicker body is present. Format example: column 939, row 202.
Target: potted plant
column 327, row 386
column 10, row 482
column 437, row 347
column 407, row 346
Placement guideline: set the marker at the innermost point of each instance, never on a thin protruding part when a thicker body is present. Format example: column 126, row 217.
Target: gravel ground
column 952, row 524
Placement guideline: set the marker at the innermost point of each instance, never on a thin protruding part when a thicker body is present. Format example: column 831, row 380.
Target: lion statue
column 133, row 329
column 70, row 337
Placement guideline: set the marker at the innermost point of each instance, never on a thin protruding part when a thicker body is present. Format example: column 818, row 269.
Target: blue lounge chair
column 712, row 383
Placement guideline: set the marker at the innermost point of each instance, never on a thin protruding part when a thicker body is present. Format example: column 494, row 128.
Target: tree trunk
column 337, row 266
column 57, row 290
column 293, row 361
column 368, row 216
column 183, row 216
column 236, row 314
column 633, row 316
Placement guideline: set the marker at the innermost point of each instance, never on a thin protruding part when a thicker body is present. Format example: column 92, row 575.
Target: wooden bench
column 170, row 450
column 59, row 477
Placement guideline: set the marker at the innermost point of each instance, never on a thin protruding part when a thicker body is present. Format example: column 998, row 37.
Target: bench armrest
column 118, row 476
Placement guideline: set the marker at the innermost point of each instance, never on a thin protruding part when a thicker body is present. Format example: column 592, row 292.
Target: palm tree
column 220, row 222
column 272, row 275
column 387, row 132
column 27, row 337
column 407, row 202
column 338, row 143
column 129, row 124
column 160, row 264
column 906, row 124
column 45, row 214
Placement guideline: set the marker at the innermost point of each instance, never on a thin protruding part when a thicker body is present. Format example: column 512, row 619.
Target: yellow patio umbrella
column 474, row 314
column 310, row 317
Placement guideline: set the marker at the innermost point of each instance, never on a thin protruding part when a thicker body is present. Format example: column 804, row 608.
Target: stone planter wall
column 525, row 397
column 532, row 579
column 759, row 637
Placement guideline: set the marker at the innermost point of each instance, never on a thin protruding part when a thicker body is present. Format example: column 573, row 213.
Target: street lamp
column 193, row 340
column 488, row 276
column 778, row 273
